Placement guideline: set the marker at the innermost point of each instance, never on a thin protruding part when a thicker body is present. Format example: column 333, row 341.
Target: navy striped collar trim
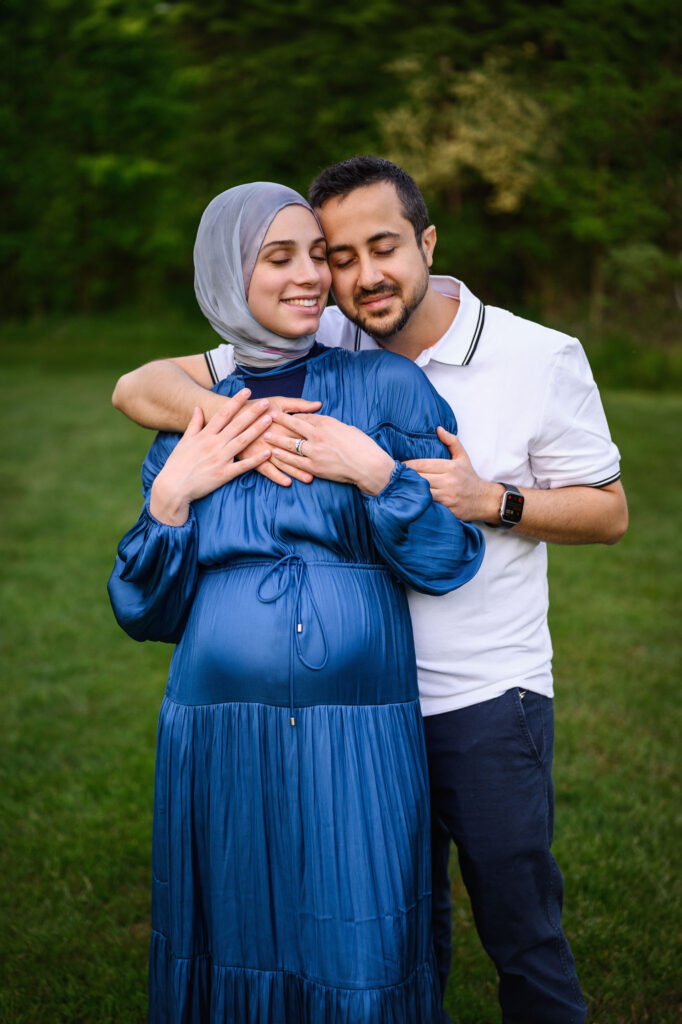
column 211, row 367
column 440, row 357
column 480, row 323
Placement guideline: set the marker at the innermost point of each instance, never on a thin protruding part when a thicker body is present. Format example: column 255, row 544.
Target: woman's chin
column 308, row 326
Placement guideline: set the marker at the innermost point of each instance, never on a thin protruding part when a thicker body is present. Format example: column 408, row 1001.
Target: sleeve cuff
column 406, row 493
column 146, row 511
column 390, row 485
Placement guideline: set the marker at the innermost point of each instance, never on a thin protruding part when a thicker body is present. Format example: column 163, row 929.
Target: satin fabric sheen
column 291, row 866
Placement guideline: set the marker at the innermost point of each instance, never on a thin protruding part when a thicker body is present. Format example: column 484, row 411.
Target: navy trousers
column 490, row 769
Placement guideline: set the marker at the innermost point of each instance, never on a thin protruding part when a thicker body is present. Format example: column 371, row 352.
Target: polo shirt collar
column 457, row 346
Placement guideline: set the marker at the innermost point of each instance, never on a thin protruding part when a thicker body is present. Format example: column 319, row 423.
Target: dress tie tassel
column 294, row 571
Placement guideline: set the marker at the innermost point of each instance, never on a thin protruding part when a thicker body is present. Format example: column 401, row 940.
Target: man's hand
column 272, row 468
column 331, row 450
column 455, row 483
column 204, row 457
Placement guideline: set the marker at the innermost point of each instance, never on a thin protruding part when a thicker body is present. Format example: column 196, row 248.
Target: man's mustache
column 382, row 289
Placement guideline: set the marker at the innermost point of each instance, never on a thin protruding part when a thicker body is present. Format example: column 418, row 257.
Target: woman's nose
column 307, row 271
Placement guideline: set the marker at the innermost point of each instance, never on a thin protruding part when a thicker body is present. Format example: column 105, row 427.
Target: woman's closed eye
column 280, row 260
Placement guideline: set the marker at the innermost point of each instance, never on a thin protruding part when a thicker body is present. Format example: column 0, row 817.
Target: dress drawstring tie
column 294, row 571
column 248, row 480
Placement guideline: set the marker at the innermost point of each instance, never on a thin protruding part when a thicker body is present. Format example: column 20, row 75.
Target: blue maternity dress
column 291, row 873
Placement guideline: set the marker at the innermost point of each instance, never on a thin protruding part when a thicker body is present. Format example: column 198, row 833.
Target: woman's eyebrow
column 291, row 242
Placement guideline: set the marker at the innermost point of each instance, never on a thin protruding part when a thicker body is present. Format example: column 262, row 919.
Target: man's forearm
column 568, row 515
column 563, row 515
column 162, row 396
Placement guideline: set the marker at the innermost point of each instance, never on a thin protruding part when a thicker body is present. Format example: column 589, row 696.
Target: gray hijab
column 229, row 238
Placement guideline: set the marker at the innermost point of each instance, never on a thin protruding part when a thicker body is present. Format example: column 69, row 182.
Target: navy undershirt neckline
column 287, row 380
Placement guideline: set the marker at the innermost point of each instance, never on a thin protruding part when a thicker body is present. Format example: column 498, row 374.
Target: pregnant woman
column 290, row 853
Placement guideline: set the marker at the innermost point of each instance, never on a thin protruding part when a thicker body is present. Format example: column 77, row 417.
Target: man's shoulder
column 527, row 336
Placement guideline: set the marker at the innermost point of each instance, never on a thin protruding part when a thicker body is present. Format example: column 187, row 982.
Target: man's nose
column 370, row 274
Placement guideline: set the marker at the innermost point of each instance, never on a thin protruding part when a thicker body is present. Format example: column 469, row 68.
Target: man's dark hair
column 343, row 178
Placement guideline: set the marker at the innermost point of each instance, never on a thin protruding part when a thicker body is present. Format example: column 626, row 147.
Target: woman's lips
column 304, row 305
column 307, row 300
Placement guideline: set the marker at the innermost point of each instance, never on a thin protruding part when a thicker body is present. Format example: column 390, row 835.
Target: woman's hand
column 268, row 469
column 331, row 450
column 204, row 457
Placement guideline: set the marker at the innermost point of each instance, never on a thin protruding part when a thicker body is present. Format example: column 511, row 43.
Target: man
column 532, row 425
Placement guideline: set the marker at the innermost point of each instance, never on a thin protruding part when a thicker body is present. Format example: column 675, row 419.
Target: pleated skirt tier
column 291, row 866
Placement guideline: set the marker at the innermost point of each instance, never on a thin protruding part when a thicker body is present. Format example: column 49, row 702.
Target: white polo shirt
column 529, row 414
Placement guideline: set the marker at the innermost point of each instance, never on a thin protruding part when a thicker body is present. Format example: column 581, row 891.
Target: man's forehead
column 364, row 216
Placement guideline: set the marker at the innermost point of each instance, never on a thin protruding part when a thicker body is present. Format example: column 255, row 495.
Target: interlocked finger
column 298, row 425
column 284, row 440
column 244, row 419
column 242, row 440
column 231, row 408
column 296, row 472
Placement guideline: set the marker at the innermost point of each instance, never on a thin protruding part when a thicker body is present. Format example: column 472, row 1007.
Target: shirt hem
column 454, row 702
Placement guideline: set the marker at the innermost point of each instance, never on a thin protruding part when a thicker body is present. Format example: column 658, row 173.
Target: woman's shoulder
column 155, row 459
column 229, row 385
column 396, row 391
column 371, row 362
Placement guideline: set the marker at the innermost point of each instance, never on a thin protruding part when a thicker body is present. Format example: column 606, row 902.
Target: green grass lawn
column 78, row 704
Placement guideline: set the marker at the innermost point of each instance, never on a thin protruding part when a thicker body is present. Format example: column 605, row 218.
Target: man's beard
column 382, row 331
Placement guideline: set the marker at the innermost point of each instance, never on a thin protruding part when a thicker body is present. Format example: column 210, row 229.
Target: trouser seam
column 560, row 938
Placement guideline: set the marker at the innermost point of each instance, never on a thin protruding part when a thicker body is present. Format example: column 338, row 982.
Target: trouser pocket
column 533, row 718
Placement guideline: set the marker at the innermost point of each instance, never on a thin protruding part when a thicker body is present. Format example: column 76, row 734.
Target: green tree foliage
column 459, row 124
column 547, row 137
column 568, row 122
column 89, row 129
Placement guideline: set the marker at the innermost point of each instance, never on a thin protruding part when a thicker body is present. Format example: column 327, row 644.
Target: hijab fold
column 230, row 235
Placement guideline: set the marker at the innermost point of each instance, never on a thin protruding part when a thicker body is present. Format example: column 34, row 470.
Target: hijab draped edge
column 230, row 235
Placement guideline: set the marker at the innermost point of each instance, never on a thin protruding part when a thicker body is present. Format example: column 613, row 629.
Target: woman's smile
column 312, row 303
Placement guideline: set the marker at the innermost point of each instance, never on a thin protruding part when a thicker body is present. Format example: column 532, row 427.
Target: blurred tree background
column 546, row 138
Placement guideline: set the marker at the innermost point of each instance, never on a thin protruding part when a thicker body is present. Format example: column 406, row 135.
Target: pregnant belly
column 322, row 633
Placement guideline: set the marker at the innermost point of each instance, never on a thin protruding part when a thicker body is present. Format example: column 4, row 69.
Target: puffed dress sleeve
column 155, row 573
column 421, row 540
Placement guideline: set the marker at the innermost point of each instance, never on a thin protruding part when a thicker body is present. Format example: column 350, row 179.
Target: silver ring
column 299, row 445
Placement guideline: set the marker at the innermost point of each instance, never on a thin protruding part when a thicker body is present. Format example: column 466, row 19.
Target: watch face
column 512, row 507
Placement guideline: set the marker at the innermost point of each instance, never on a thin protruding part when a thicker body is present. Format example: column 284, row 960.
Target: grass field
column 78, row 704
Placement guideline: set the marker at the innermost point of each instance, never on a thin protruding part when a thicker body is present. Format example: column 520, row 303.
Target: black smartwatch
column 511, row 508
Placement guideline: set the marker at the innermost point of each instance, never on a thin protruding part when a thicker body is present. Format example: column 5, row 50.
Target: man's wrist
column 211, row 403
column 491, row 501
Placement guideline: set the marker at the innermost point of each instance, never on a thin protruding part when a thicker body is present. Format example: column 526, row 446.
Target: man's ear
column 429, row 243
